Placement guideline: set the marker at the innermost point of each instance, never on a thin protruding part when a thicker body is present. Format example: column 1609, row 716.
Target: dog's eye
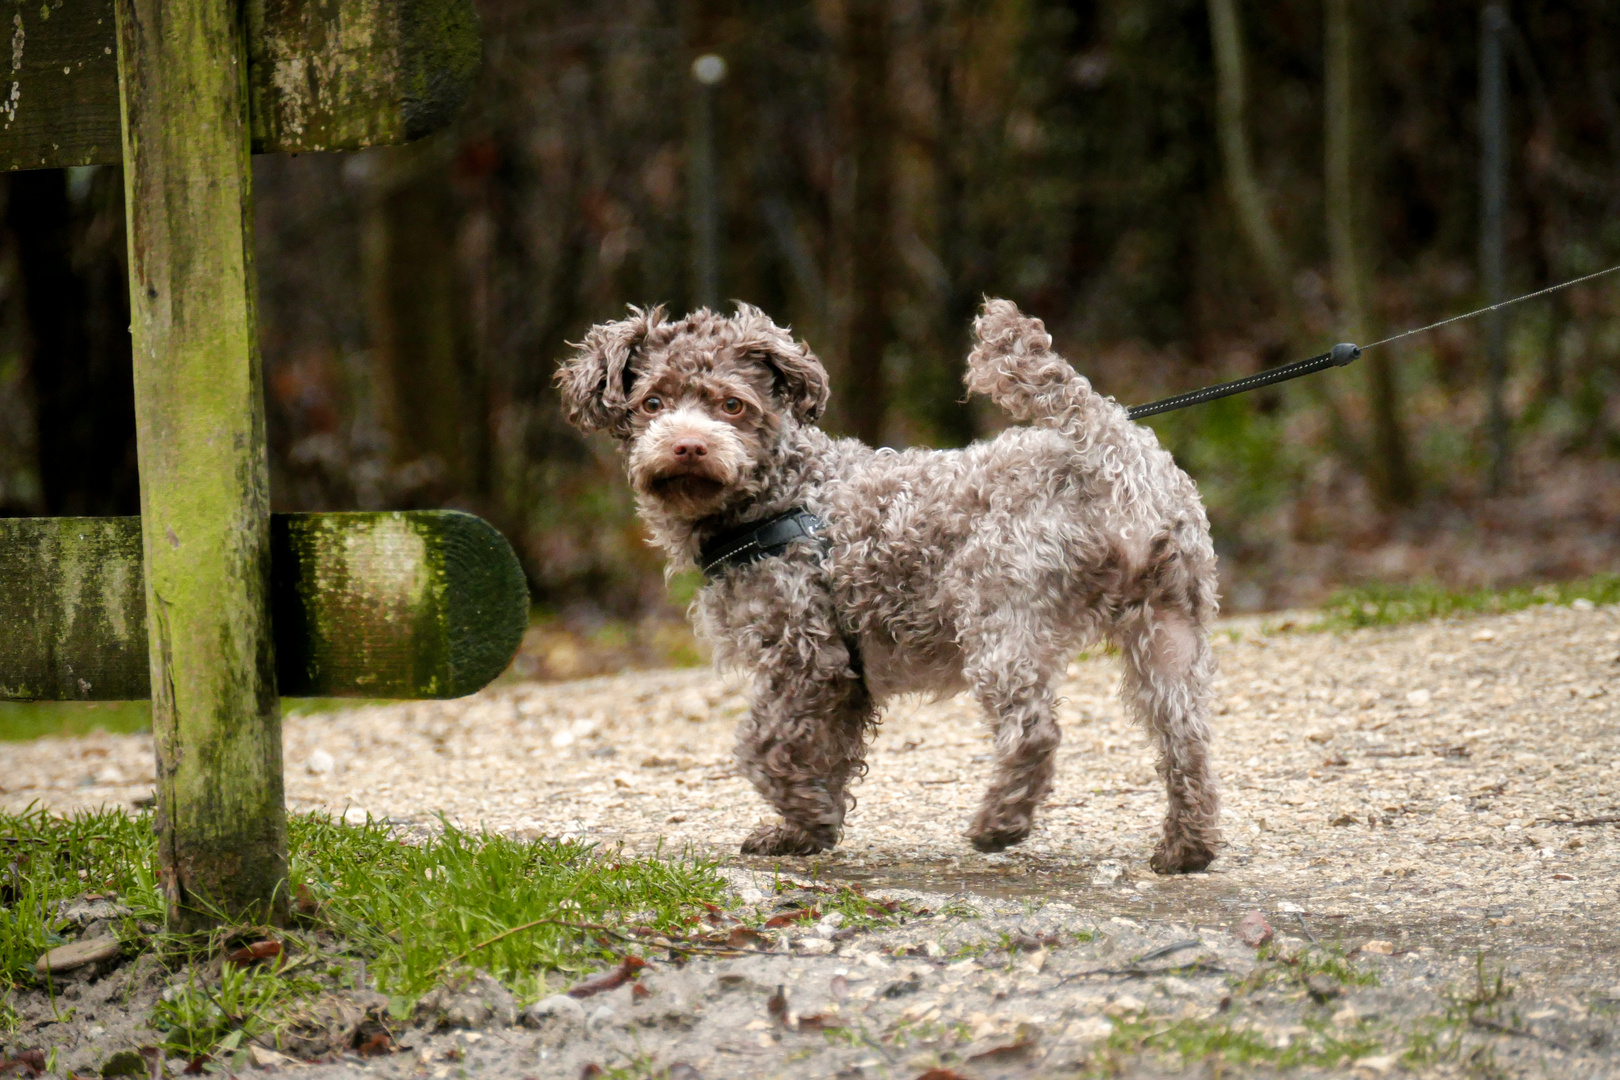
column 652, row 404
column 731, row 406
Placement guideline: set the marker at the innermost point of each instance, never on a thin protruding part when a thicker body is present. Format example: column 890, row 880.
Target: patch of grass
column 414, row 912
column 1195, row 1041
column 1392, row 605
column 860, row 911
column 1276, row 964
column 482, row 901
column 198, row 1019
column 21, row 721
column 960, row 909
column 1480, row 1006
column 46, row 859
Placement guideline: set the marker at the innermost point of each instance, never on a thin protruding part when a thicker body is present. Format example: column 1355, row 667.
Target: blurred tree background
column 1186, row 190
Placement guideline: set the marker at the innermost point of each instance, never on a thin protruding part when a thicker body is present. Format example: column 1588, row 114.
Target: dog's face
column 700, row 402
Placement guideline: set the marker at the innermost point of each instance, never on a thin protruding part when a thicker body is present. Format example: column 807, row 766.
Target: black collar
column 758, row 540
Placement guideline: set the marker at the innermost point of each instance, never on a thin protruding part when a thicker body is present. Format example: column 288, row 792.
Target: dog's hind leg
column 1168, row 674
column 802, row 744
column 1013, row 686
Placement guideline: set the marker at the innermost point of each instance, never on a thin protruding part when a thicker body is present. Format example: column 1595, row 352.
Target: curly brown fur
column 983, row 568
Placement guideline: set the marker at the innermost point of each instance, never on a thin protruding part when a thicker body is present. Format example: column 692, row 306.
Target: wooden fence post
column 183, row 79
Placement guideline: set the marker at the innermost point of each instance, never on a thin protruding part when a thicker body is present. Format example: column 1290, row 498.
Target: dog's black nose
column 691, row 449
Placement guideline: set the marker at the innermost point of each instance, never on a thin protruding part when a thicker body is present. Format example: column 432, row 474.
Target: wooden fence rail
column 182, row 92
column 321, row 75
column 424, row 604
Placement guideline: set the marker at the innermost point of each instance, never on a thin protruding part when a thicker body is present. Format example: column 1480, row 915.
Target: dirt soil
column 1426, row 798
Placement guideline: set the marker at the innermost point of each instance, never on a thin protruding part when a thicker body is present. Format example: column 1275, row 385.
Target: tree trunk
column 77, row 308
column 951, row 415
column 867, row 121
column 417, row 319
column 1248, row 201
column 1346, row 243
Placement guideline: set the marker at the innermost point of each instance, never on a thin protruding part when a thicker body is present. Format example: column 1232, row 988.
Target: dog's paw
column 991, row 836
column 1185, row 855
column 786, row 840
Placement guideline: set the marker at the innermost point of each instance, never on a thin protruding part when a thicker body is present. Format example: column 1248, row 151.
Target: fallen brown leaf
column 28, row 1063
column 249, row 954
column 820, row 1022
column 608, row 980
column 743, row 937
column 305, row 903
column 789, row 917
column 375, row 1045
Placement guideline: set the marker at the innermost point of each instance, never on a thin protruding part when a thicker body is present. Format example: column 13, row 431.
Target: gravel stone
column 473, row 1001
column 558, row 1008
column 77, row 955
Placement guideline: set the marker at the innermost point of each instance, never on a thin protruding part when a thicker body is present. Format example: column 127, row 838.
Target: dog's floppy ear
column 801, row 381
column 595, row 384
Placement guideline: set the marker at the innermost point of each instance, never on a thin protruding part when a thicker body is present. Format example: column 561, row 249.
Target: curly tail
column 1012, row 363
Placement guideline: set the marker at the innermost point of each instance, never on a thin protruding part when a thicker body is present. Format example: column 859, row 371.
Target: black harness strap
column 758, row 540
column 761, row 540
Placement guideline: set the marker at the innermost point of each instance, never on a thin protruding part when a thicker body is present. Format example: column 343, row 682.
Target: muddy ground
column 1429, row 800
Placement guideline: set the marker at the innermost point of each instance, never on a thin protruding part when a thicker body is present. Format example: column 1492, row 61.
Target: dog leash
column 1338, row 356
column 761, row 539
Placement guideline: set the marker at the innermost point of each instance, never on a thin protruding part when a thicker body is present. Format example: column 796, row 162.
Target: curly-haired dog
column 928, row 570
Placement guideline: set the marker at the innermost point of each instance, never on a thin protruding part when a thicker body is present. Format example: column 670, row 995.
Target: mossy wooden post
column 216, row 719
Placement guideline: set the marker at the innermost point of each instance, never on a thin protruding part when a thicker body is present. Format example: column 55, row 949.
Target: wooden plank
column 73, row 610
column 205, row 477
column 424, row 604
column 322, row 75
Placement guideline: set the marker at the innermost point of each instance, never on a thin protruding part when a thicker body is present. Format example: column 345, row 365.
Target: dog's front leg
column 802, row 744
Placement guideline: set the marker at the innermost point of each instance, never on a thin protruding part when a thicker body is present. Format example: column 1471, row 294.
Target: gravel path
column 1439, row 787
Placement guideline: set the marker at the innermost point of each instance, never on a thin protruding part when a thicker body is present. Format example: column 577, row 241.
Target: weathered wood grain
column 427, row 604
column 72, row 610
column 205, row 474
column 424, row 604
column 322, row 75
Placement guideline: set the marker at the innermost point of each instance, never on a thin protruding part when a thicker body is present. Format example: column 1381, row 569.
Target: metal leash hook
column 1338, row 356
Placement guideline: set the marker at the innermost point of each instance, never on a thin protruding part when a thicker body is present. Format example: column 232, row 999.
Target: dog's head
column 700, row 401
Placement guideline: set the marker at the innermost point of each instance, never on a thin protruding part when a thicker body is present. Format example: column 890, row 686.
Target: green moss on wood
column 73, row 610
column 440, row 56
column 425, row 604
column 322, row 75
column 429, row 604
column 199, row 429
